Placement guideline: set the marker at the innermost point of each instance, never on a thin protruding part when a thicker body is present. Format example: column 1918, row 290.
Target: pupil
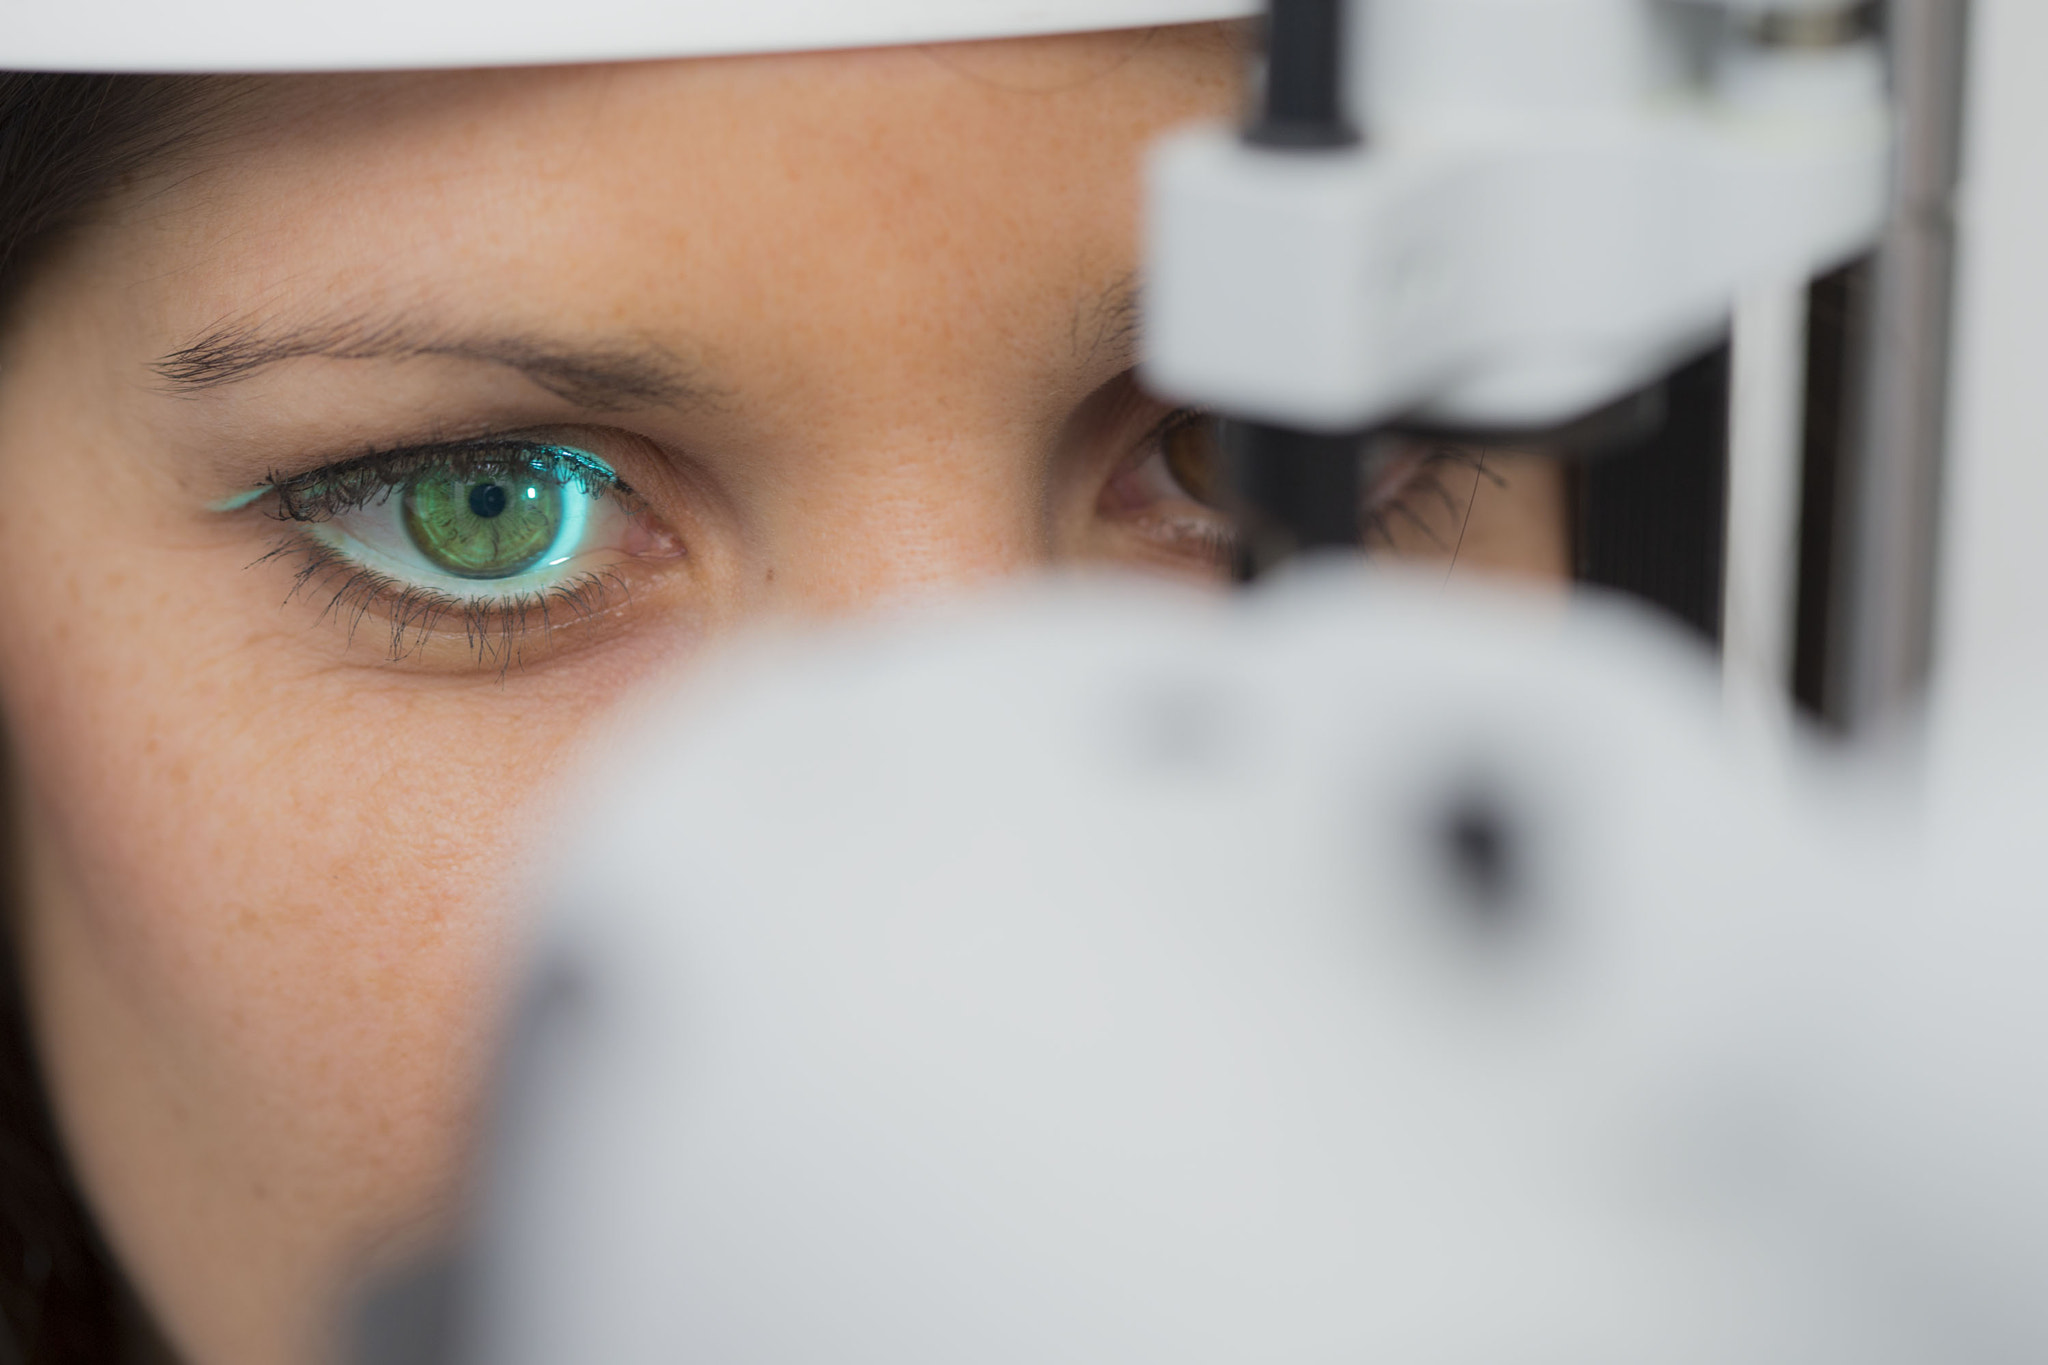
column 487, row 500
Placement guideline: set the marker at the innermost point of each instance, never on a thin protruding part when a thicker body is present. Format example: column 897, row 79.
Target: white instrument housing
column 1554, row 202
column 1345, row 973
column 371, row 35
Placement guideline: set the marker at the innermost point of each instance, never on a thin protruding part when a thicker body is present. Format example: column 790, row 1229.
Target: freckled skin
column 264, row 867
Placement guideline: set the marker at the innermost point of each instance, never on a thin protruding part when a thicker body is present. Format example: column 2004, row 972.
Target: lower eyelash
column 496, row 628
column 1210, row 541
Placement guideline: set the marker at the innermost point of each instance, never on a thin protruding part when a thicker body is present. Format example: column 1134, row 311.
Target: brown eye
column 1193, row 453
column 1165, row 491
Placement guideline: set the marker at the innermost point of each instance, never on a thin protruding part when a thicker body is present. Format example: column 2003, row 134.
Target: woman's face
column 550, row 377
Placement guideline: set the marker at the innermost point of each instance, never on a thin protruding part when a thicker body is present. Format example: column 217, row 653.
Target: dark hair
column 66, row 142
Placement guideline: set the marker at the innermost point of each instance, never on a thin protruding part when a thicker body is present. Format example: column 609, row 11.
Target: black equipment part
column 1651, row 517
column 1290, row 491
column 1304, row 99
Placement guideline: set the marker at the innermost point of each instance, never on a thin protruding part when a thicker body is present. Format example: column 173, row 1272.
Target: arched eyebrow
column 602, row 377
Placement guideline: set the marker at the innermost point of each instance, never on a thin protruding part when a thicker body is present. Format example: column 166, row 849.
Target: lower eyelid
column 494, row 633
column 467, row 590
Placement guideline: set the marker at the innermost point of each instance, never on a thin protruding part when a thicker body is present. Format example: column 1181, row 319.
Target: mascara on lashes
column 581, row 460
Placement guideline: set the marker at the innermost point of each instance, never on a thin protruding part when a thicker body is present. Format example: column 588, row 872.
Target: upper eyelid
column 1154, row 436
column 476, row 452
column 342, row 485
column 1171, row 422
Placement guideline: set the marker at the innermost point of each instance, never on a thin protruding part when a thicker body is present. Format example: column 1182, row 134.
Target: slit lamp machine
column 1351, row 970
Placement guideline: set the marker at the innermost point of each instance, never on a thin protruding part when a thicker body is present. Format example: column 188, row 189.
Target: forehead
column 728, row 202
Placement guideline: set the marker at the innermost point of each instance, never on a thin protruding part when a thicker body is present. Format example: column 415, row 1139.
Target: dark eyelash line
column 1176, row 420
column 1221, row 543
column 1428, row 481
column 496, row 628
column 349, row 485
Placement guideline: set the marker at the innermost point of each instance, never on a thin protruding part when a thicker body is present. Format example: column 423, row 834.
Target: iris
column 487, row 525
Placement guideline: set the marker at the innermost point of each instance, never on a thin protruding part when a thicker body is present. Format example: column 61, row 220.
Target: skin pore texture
column 849, row 325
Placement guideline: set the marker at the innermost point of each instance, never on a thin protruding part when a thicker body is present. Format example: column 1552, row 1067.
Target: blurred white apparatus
column 1553, row 201
column 373, row 35
column 1345, row 972
column 1341, row 972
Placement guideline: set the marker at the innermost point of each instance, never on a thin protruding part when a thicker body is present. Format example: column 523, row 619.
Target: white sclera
column 375, row 537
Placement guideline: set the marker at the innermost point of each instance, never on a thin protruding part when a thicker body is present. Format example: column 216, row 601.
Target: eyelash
column 496, row 627
column 1425, row 479
column 349, row 485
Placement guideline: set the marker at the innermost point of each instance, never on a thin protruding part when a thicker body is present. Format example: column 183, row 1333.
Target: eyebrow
column 605, row 378
column 1107, row 323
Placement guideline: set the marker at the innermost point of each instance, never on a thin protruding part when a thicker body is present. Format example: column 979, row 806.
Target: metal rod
column 1886, row 610
column 1767, row 389
column 1296, row 490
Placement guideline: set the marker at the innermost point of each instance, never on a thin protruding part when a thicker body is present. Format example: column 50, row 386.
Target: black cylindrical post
column 1297, row 490
column 1304, row 103
column 1293, row 490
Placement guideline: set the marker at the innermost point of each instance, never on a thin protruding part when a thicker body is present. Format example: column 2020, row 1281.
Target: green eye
column 489, row 525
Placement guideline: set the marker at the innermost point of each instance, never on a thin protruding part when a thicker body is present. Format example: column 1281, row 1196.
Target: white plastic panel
column 1507, row 253
column 289, row 35
column 1344, row 972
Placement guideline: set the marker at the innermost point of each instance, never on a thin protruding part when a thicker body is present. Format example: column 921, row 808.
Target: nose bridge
column 907, row 514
